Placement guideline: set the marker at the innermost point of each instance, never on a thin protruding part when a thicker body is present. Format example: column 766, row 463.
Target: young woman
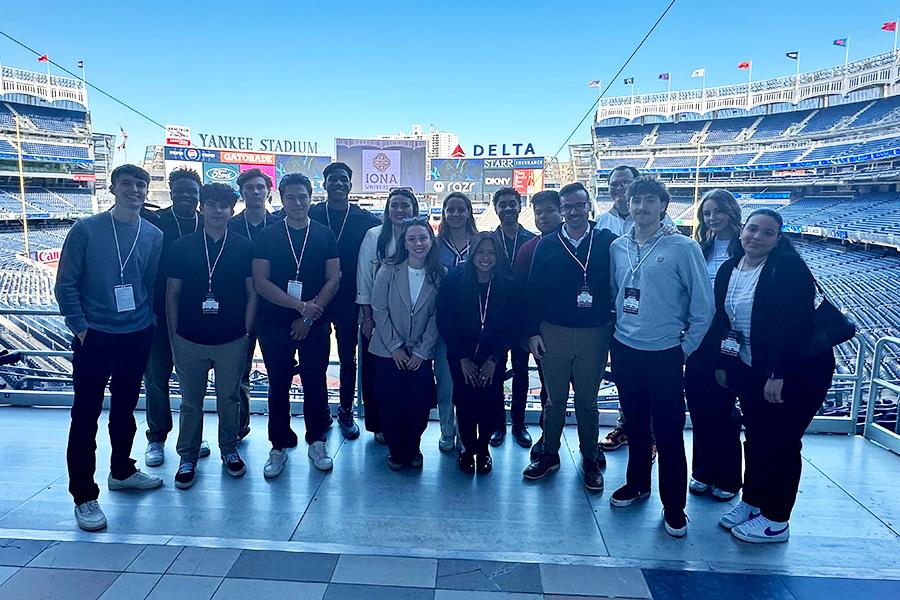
column 454, row 241
column 762, row 330
column 378, row 246
column 403, row 305
column 716, row 422
column 474, row 319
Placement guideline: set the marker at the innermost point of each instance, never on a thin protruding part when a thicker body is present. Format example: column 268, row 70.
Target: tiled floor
column 364, row 531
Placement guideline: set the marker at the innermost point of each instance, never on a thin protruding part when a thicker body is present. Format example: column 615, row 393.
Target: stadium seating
column 729, row 160
column 7, row 147
column 50, row 119
column 725, row 130
column 775, row 125
column 677, row 133
column 40, row 149
column 779, row 156
column 624, row 135
column 880, row 112
column 638, row 162
column 681, row 161
column 828, row 152
column 829, row 117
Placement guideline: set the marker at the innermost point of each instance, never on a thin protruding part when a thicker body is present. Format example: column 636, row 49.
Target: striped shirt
column 739, row 304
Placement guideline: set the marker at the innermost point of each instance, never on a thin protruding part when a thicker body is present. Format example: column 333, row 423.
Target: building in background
column 104, row 153
column 439, row 144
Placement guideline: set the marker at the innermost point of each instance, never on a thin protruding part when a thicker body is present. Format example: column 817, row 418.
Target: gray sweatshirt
column 676, row 300
column 89, row 271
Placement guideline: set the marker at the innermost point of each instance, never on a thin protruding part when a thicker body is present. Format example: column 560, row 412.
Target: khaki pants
column 192, row 364
column 579, row 356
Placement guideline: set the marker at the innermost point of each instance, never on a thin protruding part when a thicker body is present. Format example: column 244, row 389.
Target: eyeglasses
column 415, row 221
column 567, row 208
column 619, row 184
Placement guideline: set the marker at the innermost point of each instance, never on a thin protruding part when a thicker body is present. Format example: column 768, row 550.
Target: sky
column 490, row 71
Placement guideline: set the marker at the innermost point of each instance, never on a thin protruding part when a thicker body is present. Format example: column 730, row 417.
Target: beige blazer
column 398, row 324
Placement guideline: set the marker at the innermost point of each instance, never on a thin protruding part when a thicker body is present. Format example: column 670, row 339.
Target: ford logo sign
column 221, row 174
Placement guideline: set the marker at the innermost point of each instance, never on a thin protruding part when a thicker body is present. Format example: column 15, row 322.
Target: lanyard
column 636, row 267
column 341, row 230
column 584, row 266
column 212, row 268
column 302, row 249
column 177, row 224
column 458, row 255
column 118, row 251
column 736, row 288
column 505, row 247
column 482, row 311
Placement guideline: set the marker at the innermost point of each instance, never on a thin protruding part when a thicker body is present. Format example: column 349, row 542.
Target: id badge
column 731, row 343
column 295, row 289
column 632, row 302
column 210, row 306
column 585, row 298
column 124, row 297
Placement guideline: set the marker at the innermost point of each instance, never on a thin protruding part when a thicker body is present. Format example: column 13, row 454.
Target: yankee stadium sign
column 235, row 142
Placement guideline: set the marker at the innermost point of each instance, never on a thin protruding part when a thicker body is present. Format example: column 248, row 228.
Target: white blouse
column 739, row 304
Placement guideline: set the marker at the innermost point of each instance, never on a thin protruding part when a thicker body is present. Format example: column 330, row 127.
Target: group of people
column 439, row 318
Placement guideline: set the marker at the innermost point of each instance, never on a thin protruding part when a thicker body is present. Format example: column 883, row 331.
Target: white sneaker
column 698, row 487
column 722, row 495
column 89, row 516
column 740, row 513
column 447, row 443
column 138, row 481
column 319, row 455
column 204, row 449
column 761, row 530
column 275, row 463
column 155, row 454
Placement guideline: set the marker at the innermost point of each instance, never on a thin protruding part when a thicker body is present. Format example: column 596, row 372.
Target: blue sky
column 491, row 71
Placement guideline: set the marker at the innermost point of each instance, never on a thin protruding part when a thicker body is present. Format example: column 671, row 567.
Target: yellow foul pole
column 22, row 186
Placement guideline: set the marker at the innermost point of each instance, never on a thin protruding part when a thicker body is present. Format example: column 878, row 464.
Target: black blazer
column 782, row 319
column 459, row 324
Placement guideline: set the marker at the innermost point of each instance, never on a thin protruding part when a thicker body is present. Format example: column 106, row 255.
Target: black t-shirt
column 272, row 245
column 187, row 262
column 173, row 227
column 239, row 225
column 349, row 227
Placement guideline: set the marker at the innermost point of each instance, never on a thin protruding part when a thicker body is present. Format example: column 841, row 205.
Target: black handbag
column 832, row 326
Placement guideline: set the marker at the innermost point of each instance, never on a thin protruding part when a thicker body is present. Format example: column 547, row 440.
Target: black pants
column 476, row 408
column 716, row 425
column 519, row 358
column 244, row 422
column 119, row 360
column 367, row 387
column 278, row 353
column 157, row 376
column 405, row 399
column 774, row 431
column 344, row 317
column 651, row 390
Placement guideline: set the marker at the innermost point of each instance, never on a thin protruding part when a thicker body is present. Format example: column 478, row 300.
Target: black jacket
column 358, row 222
column 459, row 323
column 782, row 319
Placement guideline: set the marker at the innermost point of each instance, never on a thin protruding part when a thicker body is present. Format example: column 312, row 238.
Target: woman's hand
column 772, row 391
column 414, row 363
column 486, row 373
column 400, row 358
column 722, row 378
column 470, row 371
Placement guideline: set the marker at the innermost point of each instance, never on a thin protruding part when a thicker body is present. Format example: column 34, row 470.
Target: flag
column 842, row 42
column 745, row 65
column 890, row 26
column 124, row 136
column 793, row 55
column 629, row 81
column 594, row 83
column 664, row 76
column 699, row 72
column 43, row 58
column 80, row 64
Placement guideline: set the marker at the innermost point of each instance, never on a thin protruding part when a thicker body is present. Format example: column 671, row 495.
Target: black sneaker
column 675, row 522
column 466, row 462
column 234, row 465
column 601, row 457
column 485, row 463
column 498, row 436
column 593, row 479
column 349, row 428
column 537, row 449
column 626, row 496
column 522, row 436
column 184, row 478
column 542, row 466
column 244, row 432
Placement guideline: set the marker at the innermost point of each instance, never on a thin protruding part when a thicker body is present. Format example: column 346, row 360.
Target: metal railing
column 872, row 430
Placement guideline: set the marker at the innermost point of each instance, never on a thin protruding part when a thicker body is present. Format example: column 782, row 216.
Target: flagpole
column 49, row 95
column 896, row 22
column 632, row 98
column 797, row 81
column 749, row 84
column 669, row 95
column 84, row 85
column 22, row 185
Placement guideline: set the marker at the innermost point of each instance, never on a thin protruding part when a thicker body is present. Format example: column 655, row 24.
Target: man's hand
column 299, row 330
column 536, row 346
column 81, row 335
column 311, row 310
column 772, row 391
column 400, row 358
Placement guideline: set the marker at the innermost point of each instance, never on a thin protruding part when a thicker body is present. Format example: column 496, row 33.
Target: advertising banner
column 250, row 158
column 178, row 135
column 528, row 181
column 193, row 154
column 381, row 170
column 220, row 173
column 379, row 165
column 267, row 169
column 171, row 165
column 307, row 164
column 494, row 179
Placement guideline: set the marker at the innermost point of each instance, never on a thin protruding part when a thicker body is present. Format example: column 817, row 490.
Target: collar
column 612, row 210
column 573, row 241
column 659, row 233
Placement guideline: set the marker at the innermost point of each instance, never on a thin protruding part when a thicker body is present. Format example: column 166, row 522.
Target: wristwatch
column 308, row 322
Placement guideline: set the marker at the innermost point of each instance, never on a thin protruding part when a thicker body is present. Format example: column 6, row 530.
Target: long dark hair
column 434, row 270
column 470, row 222
column 727, row 204
column 387, row 228
column 501, row 270
column 784, row 245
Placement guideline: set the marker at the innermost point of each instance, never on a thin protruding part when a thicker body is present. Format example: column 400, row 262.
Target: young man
column 104, row 287
column 349, row 224
column 508, row 205
column 255, row 188
column 296, row 271
column 664, row 306
column 568, row 328
column 178, row 220
column 210, row 305
column 547, row 219
column 618, row 220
